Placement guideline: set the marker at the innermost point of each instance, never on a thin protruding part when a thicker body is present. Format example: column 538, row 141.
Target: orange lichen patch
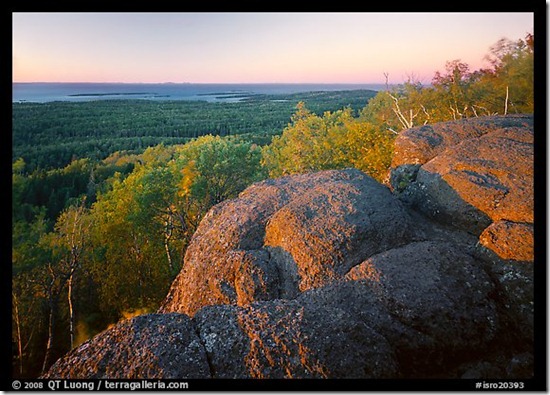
column 311, row 363
column 245, row 285
column 364, row 271
column 252, row 325
column 510, row 240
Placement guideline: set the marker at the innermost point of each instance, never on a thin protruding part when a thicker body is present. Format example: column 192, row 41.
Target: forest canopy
column 107, row 194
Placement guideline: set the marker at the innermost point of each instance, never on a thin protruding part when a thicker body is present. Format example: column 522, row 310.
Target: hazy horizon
column 83, row 91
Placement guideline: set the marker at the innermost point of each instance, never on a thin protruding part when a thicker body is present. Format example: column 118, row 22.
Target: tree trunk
column 167, row 237
column 405, row 123
column 71, row 310
column 49, row 345
column 18, row 327
column 506, row 102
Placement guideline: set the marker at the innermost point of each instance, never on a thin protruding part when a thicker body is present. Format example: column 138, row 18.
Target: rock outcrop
column 473, row 174
column 331, row 275
column 282, row 237
column 478, row 175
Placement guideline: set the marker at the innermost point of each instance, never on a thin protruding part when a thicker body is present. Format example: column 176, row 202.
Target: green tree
column 142, row 225
column 214, row 169
column 510, row 79
column 127, row 264
column 453, row 88
column 334, row 141
column 294, row 150
column 401, row 108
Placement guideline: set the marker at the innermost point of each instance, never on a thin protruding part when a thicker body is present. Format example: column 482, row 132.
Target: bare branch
column 407, row 124
column 426, row 113
column 482, row 108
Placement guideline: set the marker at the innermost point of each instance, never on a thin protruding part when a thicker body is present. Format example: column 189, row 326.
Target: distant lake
column 48, row 92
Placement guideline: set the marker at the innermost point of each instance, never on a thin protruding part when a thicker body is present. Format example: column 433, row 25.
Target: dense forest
column 107, row 194
column 51, row 135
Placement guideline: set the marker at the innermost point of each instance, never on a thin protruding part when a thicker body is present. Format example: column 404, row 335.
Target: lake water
column 48, row 92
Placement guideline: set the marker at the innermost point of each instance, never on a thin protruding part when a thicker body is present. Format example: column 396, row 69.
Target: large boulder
column 421, row 144
column 441, row 294
column 412, row 311
column 416, row 311
column 282, row 237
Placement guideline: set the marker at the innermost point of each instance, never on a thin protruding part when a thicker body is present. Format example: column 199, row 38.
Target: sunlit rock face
column 333, row 275
column 472, row 174
column 284, row 236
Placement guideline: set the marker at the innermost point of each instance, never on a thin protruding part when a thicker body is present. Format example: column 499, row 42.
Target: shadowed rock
column 441, row 294
column 291, row 339
column 478, row 175
column 147, row 346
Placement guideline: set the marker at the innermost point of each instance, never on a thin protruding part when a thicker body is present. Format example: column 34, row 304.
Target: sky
column 253, row 47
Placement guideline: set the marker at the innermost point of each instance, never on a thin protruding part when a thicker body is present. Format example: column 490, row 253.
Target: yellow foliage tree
column 335, row 140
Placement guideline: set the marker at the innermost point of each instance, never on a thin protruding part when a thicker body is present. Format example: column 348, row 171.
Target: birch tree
column 69, row 241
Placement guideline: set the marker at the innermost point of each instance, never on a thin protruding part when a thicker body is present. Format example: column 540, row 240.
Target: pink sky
column 252, row 47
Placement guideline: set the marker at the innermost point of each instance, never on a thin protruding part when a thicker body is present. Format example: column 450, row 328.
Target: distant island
column 112, row 94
